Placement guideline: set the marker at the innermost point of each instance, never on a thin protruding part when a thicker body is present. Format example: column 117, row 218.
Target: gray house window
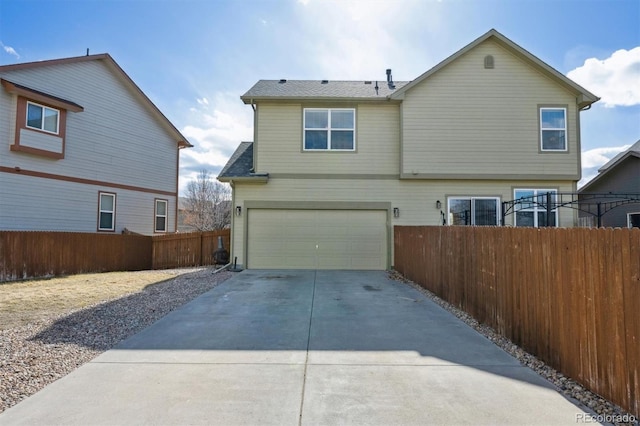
column 107, row 211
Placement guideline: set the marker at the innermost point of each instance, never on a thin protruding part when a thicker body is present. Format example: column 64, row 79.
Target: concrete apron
column 302, row 347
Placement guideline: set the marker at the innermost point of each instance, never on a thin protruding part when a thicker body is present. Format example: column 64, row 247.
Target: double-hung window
column 475, row 211
column 42, row 118
column 107, row 212
column 531, row 207
column 329, row 129
column 553, row 129
column 161, row 216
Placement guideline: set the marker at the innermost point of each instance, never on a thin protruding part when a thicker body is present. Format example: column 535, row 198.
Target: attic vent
column 325, row 81
column 367, row 82
column 283, row 80
column 488, row 62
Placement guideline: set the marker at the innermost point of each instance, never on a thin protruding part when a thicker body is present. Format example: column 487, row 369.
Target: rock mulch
column 606, row 411
column 41, row 352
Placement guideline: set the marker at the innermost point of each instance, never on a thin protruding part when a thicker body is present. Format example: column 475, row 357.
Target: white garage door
column 317, row 239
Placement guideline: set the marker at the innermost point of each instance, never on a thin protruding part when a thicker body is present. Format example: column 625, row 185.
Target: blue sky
column 195, row 58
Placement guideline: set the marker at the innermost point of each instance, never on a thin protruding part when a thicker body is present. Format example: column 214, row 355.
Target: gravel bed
column 606, row 411
column 41, row 352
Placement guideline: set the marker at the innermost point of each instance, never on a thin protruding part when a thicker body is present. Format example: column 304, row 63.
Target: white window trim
column 535, row 209
column 629, row 218
column 113, row 212
column 41, row 128
column 165, row 216
column 328, row 129
column 473, row 207
column 542, row 129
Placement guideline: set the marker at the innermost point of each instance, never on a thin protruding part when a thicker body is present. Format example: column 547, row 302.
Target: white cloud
column 223, row 121
column 595, row 158
column 615, row 79
column 10, row 50
column 359, row 39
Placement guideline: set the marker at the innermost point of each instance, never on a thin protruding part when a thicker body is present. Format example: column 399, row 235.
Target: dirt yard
column 24, row 302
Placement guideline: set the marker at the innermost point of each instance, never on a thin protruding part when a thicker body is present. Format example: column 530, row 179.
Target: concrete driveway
column 302, row 347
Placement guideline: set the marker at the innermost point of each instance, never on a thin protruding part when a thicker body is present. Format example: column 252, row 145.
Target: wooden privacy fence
column 190, row 249
column 571, row 297
column 32, row 254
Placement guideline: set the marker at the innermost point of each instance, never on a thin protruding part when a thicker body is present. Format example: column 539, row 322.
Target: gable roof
column 633, row 151
column 585, row 98
column 121, row 75
column 320, row 89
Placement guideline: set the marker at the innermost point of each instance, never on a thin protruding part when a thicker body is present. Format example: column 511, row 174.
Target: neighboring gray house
column 83, row 149
column 621, row 175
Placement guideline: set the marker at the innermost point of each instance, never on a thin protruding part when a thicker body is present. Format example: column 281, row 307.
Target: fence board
column 569, row 296
column 42, row 254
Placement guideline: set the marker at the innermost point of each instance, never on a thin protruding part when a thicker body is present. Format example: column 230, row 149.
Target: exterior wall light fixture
column 438, row 205
column 396, row 212
column 238, row 210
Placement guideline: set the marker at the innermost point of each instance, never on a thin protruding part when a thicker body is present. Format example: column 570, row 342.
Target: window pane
column 315, row 139
column 314, row 119
column 553, row 119
column 106, row 202
column 342, row 119
column 51, row 120
column 542, row 219
column 161, row 224
column 634, row 220
column 524, row 219
column 106, row 220
column 341, row 139
column 527, row 203
column 486, row 212
column 553, row 139
column 460, row 212
column 161, row 208
column 542, row 199
column 34, row 116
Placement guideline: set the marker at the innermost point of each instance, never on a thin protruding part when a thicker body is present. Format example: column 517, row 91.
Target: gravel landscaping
column 36, row 354
column 606, row 411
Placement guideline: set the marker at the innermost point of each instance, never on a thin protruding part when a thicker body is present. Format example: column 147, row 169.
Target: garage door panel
column 317, row 239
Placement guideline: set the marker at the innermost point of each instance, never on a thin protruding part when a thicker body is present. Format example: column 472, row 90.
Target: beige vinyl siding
column 415, row 199
column 466, row 119
column 279, row 141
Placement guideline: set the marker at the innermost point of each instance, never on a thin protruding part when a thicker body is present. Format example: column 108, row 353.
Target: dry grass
column 27, row 301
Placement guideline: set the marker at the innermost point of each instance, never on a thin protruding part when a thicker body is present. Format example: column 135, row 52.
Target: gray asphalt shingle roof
column 241, row 162
column 318, row 89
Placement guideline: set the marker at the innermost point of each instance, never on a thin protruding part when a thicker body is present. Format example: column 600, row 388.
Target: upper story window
column 329, row 129
column 40, row 120
column 532, row 208
column 553, row 129
column 161, row 216
column 43, row 118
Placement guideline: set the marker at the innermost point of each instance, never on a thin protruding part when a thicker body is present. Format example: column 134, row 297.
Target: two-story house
column 336, row 164
column 83, row 149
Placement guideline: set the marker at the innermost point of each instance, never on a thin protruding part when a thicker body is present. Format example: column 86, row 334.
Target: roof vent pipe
column 390, row 79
